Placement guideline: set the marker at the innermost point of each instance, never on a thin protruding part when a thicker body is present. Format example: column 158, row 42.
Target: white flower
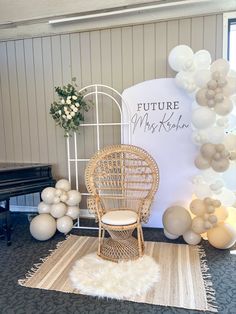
column 64, row 116
column 77, row 104
column 74, row 97
column 68, row 101
column 75, row 109
column 72, row 114
column 59, row 112
column 63, row 101
column 65, row 109
column 69, row 117
column 68, row 97
column 72, row 107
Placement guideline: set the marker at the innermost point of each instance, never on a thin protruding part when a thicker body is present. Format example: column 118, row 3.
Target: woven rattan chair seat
column 120, row 217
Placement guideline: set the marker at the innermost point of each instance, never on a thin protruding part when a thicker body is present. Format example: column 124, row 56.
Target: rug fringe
column 36, row 266
column 210, row 292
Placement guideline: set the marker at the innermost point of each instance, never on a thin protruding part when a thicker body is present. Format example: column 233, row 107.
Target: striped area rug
column 185, row 281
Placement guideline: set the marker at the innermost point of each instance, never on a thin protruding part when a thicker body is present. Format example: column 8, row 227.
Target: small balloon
column 170, row 236
column 201, row 163
column 202, row 59
column 44, row 208
column 64, row 224
column 198, row 225
column 197, row 207
column 58, row 210
column 74, row 198
column 63, row 184
column 224, row 108
column 191, row 237
column 73, row 212
column 221, row 66
column 48, row 195
column 208, row 150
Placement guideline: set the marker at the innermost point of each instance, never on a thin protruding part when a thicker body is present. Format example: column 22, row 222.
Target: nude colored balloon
column 63, row 184
column 222, row 236
column 203, row 118
column 191, row 237
column 224, row 108
column 198, row 225
column 73, row 212
column 170, row 236
column 43, row 227
column 176, row 220
column 220, row 165
column 220, row 65
column 44, row 208
column 230, row 142
column 201, row 163
column 58, row 210
column 74, row 198
column 64, row 224
column 197, row 207
column 208, row 150
column 201, row 97
column 212, row 219
column 48, row 195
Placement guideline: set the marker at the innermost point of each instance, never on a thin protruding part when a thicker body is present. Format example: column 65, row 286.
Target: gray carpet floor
column 25, row 251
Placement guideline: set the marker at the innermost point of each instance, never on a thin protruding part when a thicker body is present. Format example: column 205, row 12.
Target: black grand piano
column 20, row 179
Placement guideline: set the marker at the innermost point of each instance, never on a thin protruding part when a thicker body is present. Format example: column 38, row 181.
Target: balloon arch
column 213, row 88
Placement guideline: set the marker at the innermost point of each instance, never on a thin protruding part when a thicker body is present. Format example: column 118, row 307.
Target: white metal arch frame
column 95, row 90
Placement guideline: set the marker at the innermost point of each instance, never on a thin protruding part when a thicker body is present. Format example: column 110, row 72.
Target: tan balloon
column 212, row 219
column 191, row 237
column 170, row 236
column 198, row 225
column 201, row 163
column 197, row 207
column 201, row 97
column 58, row 210
column 222, row 236
column 224, row 108
column 176, row 220
column 220, row 165
column 208, row 150
column 221, row 213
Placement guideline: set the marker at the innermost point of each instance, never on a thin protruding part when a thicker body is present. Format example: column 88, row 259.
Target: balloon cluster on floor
column 212, row 87
column 58, row 209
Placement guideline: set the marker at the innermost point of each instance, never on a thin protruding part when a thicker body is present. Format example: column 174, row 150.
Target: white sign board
column 160, row 116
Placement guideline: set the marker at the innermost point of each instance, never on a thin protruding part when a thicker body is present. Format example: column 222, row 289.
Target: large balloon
column 176, row 220
column 64, row 224
column 48, row 195
column 178, row 56
column 216, row 134
column 43, row 227
column 222, row 236
column 63, row 184
column 74, row 198
column 221, row 213
column 203, row 117
column 191, row 237
column 201, row 163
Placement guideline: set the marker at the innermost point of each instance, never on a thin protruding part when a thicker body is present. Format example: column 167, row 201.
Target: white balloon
column 202, row 190
column 229, row 177
column 203, row 118
column 58, row 210
column 202, row 59
column 226, row 197
column 64, row 224
column 44, row 208
column 63, row 184
column 73, row 212
column 64, row 197
column 224, row 108
column 216, row 134
column 202, row 77
column 210, row 176
column 74, row 198
column 178, row 57
column 185, row 80
column 43, row 227
column 230, row 87
column 48, row 195
column 170, row 236
column 191, row 237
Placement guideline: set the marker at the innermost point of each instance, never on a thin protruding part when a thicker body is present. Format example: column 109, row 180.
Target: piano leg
column 7, row 225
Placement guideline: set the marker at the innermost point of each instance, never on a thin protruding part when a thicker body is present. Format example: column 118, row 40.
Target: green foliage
column 68, row 111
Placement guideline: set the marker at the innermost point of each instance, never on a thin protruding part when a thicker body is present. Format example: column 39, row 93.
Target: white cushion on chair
column 120, row 217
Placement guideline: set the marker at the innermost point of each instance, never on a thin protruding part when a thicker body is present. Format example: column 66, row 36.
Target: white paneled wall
column 119, row 57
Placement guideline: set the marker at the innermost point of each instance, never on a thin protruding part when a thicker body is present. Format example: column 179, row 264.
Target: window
column 229, row 39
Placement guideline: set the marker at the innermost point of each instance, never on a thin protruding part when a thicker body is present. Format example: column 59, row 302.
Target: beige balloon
column 63, row 184
column 73, row 212
column 197, row 207
column 170, row 236
column 191, row 237
column 224, row 108
column 48, row 195
column 64, row 224
column 222, row 236
column 43, row 227
column 74, row 198
column 221, row 213
column 198, row 225
column 208, row 150
column 44, row 208
column 220, row 165
column 201, row 163
column 201, row 97
column 176, row 220
column 212, row 219
column 58, row 210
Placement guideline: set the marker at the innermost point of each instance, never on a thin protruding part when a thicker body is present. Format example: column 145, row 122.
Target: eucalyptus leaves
column 68, row 111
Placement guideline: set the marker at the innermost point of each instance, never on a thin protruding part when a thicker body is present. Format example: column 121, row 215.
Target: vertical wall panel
column 118, row 57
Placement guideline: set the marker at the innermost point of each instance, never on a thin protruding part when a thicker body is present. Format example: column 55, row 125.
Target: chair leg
column 142, row 239
column 99, row 238
column 140, row 245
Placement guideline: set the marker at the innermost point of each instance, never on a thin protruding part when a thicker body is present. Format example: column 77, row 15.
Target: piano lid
column 5, row 166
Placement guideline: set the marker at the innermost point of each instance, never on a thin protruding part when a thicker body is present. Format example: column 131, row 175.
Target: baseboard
column 84, row 213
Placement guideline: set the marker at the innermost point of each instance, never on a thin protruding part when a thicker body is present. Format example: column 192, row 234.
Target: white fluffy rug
column 98, row 277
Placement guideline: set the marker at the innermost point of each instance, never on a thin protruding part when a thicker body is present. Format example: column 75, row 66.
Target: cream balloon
column 221, row 66
column 197, row 207
column 191, row 237
column 227, row 197
column 202, row 59
column 170, row 236
column 64, row 224
column 224, row 108
column 208, row 150
column 178, row 57
column 201, row 163
column 48, row 195
column 74, row 198
column 73, row 212
column 58, row 210
column 64, row 197
column 176, row 220
column 201, row 97
column 230, row 142
column 216, row 134
column 201, row 77
column 222, row 236
column 202, row 190
column 44, row 208
column 198, row 225
column 203, row 118
column 212, row 219
column 230, row 87
column 43, row 227
column 63, row 184
column 58, row 192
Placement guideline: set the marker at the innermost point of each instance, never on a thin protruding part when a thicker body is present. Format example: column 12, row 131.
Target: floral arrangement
column 68, row 111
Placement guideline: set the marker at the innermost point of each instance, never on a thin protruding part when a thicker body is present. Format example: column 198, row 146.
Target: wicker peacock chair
column 122, row 181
